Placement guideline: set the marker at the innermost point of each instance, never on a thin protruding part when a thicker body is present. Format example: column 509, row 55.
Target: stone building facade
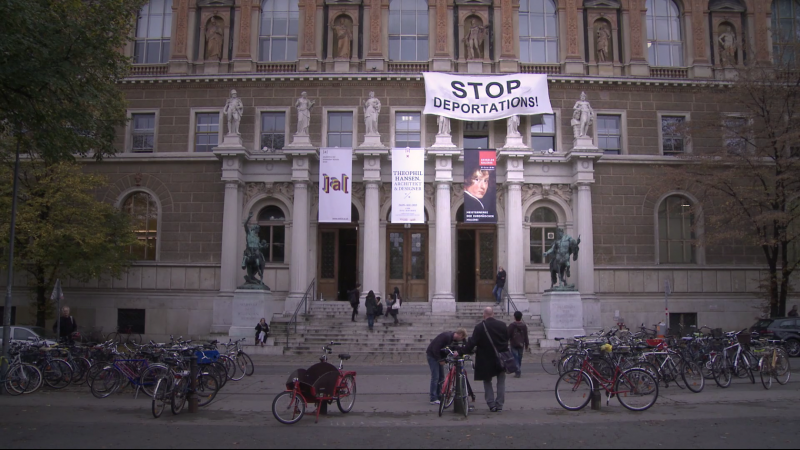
column 645, row 65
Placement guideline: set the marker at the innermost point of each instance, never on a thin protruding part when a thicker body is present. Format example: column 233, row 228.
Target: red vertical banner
column 480, row 186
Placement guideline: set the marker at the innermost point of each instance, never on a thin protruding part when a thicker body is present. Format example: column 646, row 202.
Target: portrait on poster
column 480, row 186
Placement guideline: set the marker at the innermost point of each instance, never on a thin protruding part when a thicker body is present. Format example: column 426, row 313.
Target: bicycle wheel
column 219, row 371
column 674, row 368
column 705, row 366
column 135, row 338
column 80, row 369
column 637, row 389
column 288, row 408
column 114, row 337
column 692, row 376
column 179, row 395
column 37, row 379
column 241, row 368
column 249, row 368
column 782, row 369
column 22, row 378
column 346, row 394
column 150, row 376
column 569, row 363
column 447, row 395
column 230, row 366
column 207, row 387
column 57, row 374
column 574, row 390
column 160, row 396
column 106, row 382
column 723, row 374
column 550, row 361
column 463, row 396
column 744, row 365
column 766, row 371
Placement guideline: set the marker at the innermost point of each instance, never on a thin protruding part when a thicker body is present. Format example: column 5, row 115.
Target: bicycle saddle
column 344, row 357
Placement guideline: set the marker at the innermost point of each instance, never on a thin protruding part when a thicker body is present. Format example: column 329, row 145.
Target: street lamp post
column 7, row 309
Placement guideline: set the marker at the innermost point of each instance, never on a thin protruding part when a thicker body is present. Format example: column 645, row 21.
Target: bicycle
column 456, row 384
column 125, row 335
column 20, row 378
column 321, row 384
column 138, row 373
column 774, row 365
column 636, row 389
column 725, row 366
column 552, row 357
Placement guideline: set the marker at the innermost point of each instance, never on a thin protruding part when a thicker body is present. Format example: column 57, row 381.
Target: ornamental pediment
column 214, row 3
column 610, row 4
column 474, row 2
column 343, row 2
column 727, row 6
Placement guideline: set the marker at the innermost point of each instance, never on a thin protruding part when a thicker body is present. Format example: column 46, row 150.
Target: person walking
column 518, row 340
column 793, row 312
column 436, row 360
column 393, row 307
column 499, row 284
column 262, row 332
column 354, row 295
column 378, row 307
column 487, row 336
column 68, row 326
column 371, row 305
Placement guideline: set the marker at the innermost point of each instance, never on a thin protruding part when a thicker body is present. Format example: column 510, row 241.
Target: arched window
column 664, row 42
column 277, row 37
column 272, row 220
column 544, row 222
column 408, row 30
column 153, row 30
column 676, row 234
column 143, row 210
column 785, row 31
column 538, row 32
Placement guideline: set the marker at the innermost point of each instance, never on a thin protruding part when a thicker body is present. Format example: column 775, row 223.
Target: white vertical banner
column 335, row 185
column 408, row 185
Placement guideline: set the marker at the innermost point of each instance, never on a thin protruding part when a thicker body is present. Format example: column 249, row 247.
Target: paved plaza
column 392, row 411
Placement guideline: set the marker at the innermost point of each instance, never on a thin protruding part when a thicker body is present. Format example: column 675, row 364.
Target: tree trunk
column 41, row 297
column 774, row 294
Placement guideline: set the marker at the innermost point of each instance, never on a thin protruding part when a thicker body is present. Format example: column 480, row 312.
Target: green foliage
column 62, row 230
column 59, row 64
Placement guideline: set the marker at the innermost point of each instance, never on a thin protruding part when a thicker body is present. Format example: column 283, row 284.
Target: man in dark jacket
column 68, row 325
column 488, row 336
column 354, row 295
column 371, row 304
column 499, row 285
column 518, row 339
column 436, row 360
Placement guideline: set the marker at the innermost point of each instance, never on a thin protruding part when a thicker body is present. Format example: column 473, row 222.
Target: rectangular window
column 340, row 129
column 609, row 134
column 541, row 240
column 273, row 131
column 734, row 135
column 671, row 135
column 274, row 236
column 408, row 130
column 543, row 133
column 130, row 321
column 144, row 132
column 682, row 324
column 206, row 131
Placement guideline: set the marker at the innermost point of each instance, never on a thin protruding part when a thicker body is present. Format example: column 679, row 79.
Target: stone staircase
column 330, row 321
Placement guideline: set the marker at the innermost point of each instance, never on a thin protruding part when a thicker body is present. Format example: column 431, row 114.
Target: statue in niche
column 372, row 107
column 214, row 39
column 344, row 38
column 603, row 43
column 512, row 126
column 563, row 247
column 233, row 110
column 584, row 114
column 303, row 106
column 727, row 47
column 474, row 40
column 444, row 125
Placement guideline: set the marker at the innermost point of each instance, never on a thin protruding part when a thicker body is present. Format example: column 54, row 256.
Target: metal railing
column 309, row 295
column 509, row 302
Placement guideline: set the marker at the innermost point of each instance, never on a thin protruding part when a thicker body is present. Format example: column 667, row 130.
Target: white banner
column 485, row 97
column 335, row 184
column 408, row 185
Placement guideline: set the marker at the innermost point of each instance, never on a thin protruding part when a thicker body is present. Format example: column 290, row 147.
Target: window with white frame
column 543, row 133
column 277, row 36
column 544, row 223
column 408, row 129
column 143, row 132
column 664, row 41
column 538, row 32
column 153, row 31
column 735, row 132
column 408, row 30
column 672, row 138
column 785, row 30
column 143, row 210
column 340, row 129
column 676, row 231
column 272, row 233
column 273, row 131
column 206, row 131
column 609, row 133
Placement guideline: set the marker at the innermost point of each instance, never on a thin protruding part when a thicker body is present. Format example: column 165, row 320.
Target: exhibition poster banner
column 335, row 185
column 480, row 186
column 485, row 97
column 408, row 185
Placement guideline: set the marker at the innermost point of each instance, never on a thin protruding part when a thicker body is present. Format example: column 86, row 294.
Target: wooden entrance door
column 407, row 262
column 337, row 271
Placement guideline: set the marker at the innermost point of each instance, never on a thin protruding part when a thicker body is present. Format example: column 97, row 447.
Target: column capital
column 372, row 184
column 514, row 184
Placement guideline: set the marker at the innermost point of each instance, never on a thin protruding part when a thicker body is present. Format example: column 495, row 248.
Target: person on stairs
column 371, row 305
column 354, row 295
column 262, row 332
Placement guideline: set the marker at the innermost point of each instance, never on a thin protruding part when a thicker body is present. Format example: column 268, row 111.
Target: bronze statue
column 253, row 260
column 562, row 248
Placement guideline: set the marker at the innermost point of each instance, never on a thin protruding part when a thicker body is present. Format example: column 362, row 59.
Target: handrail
column 303, row 304
column 509, row 302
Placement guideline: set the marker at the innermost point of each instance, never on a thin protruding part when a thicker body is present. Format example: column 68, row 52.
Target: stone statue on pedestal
column 372, row 107
column 303, row 106
column 512, row 126
column 584, row 114
column 562, row 248
column 233, row 110
column 253, row 259
column 444, row 126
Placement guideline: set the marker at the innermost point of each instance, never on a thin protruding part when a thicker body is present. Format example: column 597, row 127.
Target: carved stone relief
column 244, row 32
column 253, row 190
column 698, row 27
column 507, row 46
column 430, row 193
column 572, row 28
column 441, row 26
column 181, row 29
column 375, row 27
column 637, row 50
column 456, row 192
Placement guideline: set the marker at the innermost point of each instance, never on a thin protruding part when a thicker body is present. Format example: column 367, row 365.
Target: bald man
column 487, row 364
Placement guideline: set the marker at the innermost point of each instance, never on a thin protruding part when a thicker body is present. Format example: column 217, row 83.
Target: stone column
column 179, row 61
column 231, row 224
column 371, row 237
column 591, row 304
column 443, row 298
column 298, row 268
column 243, row 57
column 515, row 272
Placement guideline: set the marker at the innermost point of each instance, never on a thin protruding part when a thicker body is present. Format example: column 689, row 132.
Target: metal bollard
column 193, row 385
column 597, row 399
